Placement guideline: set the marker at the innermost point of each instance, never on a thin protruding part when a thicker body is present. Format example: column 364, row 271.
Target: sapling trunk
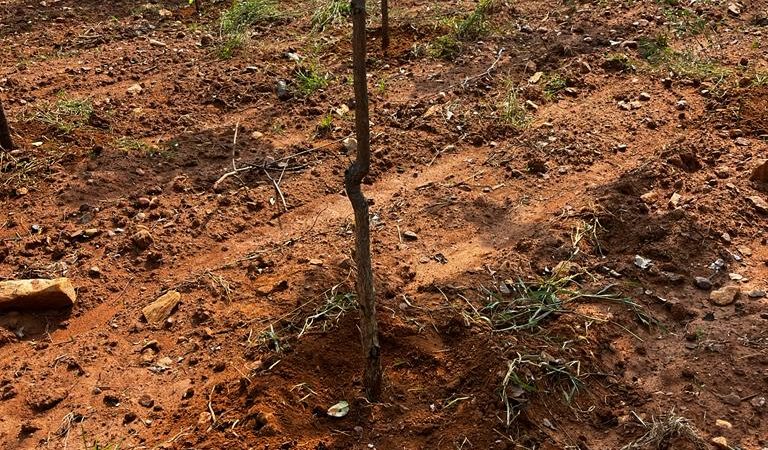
column 352, row 180
column 385, row 25
column 6, row 143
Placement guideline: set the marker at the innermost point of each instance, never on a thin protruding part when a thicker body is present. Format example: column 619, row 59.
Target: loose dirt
column 638, row 139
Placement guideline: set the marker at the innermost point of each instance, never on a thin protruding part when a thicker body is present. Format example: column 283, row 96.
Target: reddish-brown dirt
column 621, row 154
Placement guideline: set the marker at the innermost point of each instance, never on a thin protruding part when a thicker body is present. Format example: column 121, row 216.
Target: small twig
column 234, row 146
column 277, row 188
column 487, row 71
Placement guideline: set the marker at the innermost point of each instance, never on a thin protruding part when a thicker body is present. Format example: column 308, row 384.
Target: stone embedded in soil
column 410, row 236
column 702, row 283
column 674, row 200
column 644, row 96
column 724, row 296
column 46, row 399
column 720, row 442
column 723, row 424
column 159, row 310
column 134, row 89
column 757, row 293
column 681, row 105
column 94, row 272
column 37, row 294
column 760, row 174
column 146, row 401
column 142, row 239
column 732, row 399
column 758, row 203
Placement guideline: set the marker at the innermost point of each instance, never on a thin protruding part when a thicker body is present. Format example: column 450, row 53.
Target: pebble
column 410, row 236
column 94, row 272
column 644, row 96
column 142, row 239
column 720, row 442
column 702, row 283
column 681, row 105
column 723, row 424
column 350, row 145
column 135, row 89
column 758, row 203
column 724, row 296
column 757, row 293
column 282, row 90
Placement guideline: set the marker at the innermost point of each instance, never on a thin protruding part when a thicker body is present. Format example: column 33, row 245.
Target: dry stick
column 369, row 331
column 487, row 71
column 277, row 188
column 234, row 146
column 285, row 158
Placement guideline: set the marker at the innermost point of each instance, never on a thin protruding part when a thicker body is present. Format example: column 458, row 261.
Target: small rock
column 760, row 174
column 721, row 442
column 315, row 262
column 282, row 90
column 410, row 236
column 94, row 272
column 758, row 203
column 675, row 200
column 46, row 399
column 650, row 197
column 37, row 294
column 724, row 296
column 143, row 202
column 723, row 424
column 757, row 293
column 644, row 96
column 142, row 239
column 135, row 89
column 732, row 399
column 146, row 401
column 742, row 142
column 157, row 43
column 734, row 9
column 702, row 283
column 643, row 263
column 159, row 310
column 681, row 105
column 350, row 145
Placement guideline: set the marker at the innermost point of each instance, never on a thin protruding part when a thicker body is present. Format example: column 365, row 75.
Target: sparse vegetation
column 663, row 431
column 512, row 111
column 66, row 114
column 310, row 79
column 236, row 21
column 471, row 26
column 330, row 12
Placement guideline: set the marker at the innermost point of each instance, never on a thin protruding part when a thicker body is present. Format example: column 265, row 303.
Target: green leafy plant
column 310, row 79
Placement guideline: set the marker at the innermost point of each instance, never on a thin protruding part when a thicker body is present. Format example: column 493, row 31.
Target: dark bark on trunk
column 352, row 180
column 385, row 25
column 6, row 143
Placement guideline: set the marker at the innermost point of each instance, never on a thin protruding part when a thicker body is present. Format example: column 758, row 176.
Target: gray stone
column 702, row 283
